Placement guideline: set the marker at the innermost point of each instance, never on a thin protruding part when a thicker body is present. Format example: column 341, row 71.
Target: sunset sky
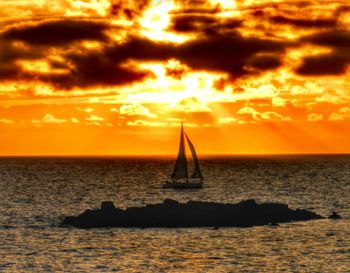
column 105, row 77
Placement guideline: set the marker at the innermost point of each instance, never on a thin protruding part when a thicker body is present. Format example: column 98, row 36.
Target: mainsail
column 197, row 172
column 180, row 170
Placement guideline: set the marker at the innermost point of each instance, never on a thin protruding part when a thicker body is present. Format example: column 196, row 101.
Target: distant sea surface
column 37, row 193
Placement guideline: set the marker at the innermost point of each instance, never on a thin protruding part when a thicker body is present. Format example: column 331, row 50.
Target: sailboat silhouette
column 179, row 177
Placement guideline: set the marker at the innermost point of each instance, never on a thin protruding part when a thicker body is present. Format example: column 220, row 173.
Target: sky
column 115, row 77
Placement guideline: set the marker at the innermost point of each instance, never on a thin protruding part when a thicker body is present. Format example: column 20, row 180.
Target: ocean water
column 37, row 193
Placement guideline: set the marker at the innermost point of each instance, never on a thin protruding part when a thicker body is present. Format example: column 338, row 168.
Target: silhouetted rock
column 171, row 213
column 334, row 216
column 273, row 224
column 107, row 206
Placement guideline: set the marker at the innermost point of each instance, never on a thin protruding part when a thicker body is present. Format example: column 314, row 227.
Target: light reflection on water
column 35, row 194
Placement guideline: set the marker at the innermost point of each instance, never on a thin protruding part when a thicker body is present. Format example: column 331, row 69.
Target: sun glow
column 156, row 21
column 170, row 90
column 157, row 18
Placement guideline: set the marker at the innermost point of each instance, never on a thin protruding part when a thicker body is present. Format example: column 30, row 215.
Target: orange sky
column 105, row 77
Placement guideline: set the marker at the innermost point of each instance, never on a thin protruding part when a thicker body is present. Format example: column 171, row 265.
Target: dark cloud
column 58, row 64
column 140, row 49
column 8, row 72
column 93, row 72
column 90, row 69
column 258, row 13
column 321, row 65
column 226, row 54
column 189, row 23
column 334, row 63
column 107, row 67
column 101, row 69
column 233, row 54
column 213, row 53
column 57, row 33
column 335, row 39
column 9, row 54
column 208, row 24
column 341, row 10
column 305, row 23
column 264, row 62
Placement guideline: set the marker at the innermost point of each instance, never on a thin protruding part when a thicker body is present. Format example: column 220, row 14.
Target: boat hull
column 183, row 185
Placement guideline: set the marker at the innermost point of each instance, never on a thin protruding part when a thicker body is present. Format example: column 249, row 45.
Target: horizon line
column 164, row 155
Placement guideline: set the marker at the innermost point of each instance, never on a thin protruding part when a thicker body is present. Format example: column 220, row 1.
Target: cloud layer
column 184, row 56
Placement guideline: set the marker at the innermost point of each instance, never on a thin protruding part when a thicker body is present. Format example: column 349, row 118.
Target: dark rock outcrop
column 334, row 216
column 171, row 213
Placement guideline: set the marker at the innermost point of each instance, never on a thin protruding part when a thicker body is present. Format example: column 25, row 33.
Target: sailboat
column 179, row 178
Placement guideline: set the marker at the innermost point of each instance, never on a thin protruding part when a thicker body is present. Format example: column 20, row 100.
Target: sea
column 37, row 193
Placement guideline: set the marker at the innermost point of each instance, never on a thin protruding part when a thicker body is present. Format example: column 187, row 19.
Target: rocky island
column 171, row 213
